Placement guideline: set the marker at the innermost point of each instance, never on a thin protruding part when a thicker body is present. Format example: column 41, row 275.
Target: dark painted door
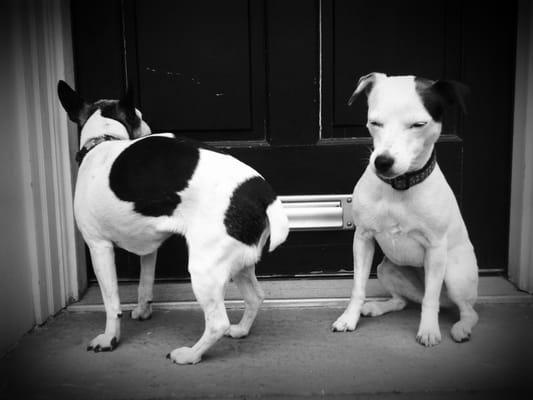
column 269, row 80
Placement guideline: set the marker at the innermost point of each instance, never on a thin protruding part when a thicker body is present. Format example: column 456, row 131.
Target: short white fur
column 417, row 228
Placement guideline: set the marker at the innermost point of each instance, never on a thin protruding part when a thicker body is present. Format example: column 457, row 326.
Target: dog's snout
column 383, row 163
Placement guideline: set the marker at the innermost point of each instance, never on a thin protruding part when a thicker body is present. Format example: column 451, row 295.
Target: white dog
column 134, row 191
column 404, row 203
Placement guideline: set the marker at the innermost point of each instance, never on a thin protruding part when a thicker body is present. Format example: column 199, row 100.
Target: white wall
column 15, row 276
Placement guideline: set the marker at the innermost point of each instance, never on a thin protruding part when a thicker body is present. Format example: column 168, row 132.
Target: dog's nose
column 383, row 163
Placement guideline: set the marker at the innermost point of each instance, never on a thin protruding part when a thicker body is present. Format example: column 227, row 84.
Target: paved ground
column 291, row 353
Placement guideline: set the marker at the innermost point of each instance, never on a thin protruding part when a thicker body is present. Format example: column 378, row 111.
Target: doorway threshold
column 285, row 293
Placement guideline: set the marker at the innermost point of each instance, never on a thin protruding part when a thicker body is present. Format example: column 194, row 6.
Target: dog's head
column 118, row 118
column 405, row 118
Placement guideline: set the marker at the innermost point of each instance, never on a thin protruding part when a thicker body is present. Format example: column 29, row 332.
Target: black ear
column 452, row 92
column 73, row 104
column 127, row 106
column 365, row 83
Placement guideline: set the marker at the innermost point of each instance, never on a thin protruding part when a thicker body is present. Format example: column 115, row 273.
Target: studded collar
column 410, row 179
column 91, row 144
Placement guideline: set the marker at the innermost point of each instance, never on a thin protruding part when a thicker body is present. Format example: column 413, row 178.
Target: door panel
column 197, row 67
column 382, row 36
column 183, row 80
column 268, row 82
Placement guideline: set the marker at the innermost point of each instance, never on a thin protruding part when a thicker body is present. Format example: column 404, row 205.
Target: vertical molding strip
column 521, row 214
column 42, row 59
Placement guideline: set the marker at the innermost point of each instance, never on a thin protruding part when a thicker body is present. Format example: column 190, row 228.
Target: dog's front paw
column 142, row 312
column 103, row 342
column 461, row 332
column 345, row 322
column 237, row 332
column 428, row 336
column 184, row 355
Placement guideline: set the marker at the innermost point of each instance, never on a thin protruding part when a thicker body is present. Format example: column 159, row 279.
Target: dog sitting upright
column 134, row 191
column 404, row 203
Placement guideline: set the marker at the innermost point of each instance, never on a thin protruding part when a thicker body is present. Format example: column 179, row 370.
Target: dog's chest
column 397, row 230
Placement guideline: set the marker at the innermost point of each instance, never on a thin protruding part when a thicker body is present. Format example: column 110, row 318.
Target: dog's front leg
column 143, row 310
column 103, row 259
column 435, row 269
column 363, row 249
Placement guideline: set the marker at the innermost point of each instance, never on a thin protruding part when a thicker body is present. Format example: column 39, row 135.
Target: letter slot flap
column 323, row 212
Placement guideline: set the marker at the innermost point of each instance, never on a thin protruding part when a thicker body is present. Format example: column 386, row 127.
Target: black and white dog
column 135, row 189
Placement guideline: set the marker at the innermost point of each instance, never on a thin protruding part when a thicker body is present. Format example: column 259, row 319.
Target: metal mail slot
column 322, row 212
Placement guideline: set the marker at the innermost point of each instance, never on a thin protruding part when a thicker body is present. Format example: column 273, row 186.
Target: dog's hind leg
column 103, row 258
column 253, row 297
column 143, row 310
column 461, row 281
column 404, row 283
column 208, row 283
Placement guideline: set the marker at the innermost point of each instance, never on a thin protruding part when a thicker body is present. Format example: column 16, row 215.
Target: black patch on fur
column 113, row 109
column 245, row 218
column 438, row 95
column 151, row 171
column 79, row 110
column 430, row 99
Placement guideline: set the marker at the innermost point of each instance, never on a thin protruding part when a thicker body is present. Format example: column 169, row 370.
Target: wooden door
column 268, row 81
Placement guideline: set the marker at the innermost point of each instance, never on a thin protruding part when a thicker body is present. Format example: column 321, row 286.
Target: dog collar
column 405, row 181
column 91, row 144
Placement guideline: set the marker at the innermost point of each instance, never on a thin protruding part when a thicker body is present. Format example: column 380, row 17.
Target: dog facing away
column 135, row 189
column 403, row 202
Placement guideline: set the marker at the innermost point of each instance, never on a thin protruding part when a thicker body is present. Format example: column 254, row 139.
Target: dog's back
column 160, row 184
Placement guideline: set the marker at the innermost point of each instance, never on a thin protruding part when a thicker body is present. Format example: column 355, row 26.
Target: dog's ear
column 127, row 102
column 365, row 83
column 452, row 92
column 72, row 102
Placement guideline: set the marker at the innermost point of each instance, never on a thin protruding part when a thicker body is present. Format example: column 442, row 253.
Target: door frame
column 521, row 205
column 42, row 39
column 54, row 152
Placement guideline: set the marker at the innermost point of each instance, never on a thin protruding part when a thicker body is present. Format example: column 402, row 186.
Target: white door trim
column 43, row 56
column 521, row 213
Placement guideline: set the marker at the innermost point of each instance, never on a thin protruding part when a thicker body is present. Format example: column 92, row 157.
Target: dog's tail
column 279, row 224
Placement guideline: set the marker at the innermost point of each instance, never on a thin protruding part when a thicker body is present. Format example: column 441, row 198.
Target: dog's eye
column 418, row 125
column 376, row 124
